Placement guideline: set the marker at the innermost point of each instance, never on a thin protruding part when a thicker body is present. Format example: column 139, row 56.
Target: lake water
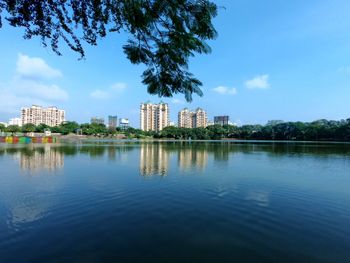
column 175, row 202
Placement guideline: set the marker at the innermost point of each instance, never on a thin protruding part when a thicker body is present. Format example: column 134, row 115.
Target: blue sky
column 286, row 60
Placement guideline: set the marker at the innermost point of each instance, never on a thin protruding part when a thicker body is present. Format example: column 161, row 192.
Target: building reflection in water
column 192, row 157
column 112, row 153
column 222, row 153
column 154, row 159
column 119, row 153
column 35, row 159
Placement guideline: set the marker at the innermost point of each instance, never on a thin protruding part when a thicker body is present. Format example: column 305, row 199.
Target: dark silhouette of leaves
column 163, row 34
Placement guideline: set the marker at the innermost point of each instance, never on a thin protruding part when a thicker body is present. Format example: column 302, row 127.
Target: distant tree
column 42, row 127
column 13, row 128
column 56, row 129
column 231, row 131
column 68, row 127
column 98, row 128
column 217, row 131
column 274, row 122
column 163, row 34
column 2, row 127
column 29, row 127
column 85, row 127
column 201, row 134
column 170, row 132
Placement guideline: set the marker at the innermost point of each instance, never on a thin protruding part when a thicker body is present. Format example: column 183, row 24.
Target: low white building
column 47, row 132
column 51, row 116
column 210, row 123
column 15, row 121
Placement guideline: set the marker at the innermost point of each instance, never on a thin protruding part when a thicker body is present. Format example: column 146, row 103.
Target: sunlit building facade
column 192, row 119
column 51, row 116
column 185, row 118
column 154, row 117
column 200, row 118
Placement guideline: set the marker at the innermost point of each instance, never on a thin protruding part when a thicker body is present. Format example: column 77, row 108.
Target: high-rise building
column 185, row 118
column 51, row 116
column 192, row 119
column 97, row 120
column 200, row 118
column 221, row 120
column 112, row 122
column 154, row 117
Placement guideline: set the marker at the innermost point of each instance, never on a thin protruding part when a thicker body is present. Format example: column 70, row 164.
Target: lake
column 175, row 202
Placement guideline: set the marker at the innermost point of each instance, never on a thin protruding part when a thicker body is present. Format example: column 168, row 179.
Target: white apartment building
column 192, row 119
column 154, row 117
column 51, row 116
column 185, row 118
column 200, row 119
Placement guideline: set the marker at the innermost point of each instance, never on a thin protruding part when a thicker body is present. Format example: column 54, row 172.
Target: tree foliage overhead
column 163, row 34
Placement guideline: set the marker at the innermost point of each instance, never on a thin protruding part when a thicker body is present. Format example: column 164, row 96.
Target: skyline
column 282, row 68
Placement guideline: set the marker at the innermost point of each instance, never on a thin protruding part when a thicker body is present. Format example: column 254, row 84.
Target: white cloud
column 34, row 67
column 119, row 86
column 225, row 90
column 259, row 82
column 99, row 94
column 10, row 103
column 36, row 89
column 19, row 93
column 114, row 89
column 29, row 87
column 177, row 101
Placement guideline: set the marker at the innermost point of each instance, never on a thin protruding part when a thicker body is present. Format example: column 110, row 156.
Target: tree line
column 70, row 127
column 320, row 130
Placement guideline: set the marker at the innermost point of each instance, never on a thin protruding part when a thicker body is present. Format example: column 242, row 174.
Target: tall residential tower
column 154, row 117
column 192, row 119
column 112, row 122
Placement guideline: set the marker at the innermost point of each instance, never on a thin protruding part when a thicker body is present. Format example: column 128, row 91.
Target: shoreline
column 56, row 139
column 229, row 140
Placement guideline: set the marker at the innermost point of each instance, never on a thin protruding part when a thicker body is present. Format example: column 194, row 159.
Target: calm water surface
column 175, row 202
